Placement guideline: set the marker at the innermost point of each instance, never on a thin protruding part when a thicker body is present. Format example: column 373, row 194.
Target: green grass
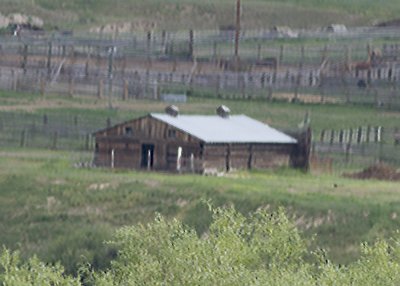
column 50, row 208
column 22, row 111
column 59, row 212
column 205, row 14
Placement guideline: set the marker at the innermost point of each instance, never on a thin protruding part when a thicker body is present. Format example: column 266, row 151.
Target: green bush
column 261, row 249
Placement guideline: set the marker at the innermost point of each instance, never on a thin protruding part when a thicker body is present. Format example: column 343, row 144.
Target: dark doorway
column 147, row 156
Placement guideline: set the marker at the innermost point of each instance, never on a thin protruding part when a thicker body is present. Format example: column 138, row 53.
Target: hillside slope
column 183, row 14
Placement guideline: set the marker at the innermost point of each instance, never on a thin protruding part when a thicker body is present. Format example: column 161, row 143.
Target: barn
column 197, row 143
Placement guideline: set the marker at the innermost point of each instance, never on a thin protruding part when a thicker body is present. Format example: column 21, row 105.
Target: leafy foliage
column 261, row 249
column 33, row 272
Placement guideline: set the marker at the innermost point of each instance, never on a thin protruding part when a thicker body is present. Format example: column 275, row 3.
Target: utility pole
column 237, row 31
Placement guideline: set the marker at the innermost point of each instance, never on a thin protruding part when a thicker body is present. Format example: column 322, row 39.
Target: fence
column 361, row 146
column 48, row 131
column 201, row 63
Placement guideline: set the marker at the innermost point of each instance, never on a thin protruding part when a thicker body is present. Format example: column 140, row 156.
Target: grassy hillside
column 51, row 208
column 278, row 114
column 60, row 212
column 183, row 14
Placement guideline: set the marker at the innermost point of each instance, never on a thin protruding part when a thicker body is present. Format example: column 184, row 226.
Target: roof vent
column 172, row 110
column 223, row 111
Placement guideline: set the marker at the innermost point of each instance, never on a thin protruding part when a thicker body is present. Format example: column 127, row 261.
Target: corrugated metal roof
column 234, row 129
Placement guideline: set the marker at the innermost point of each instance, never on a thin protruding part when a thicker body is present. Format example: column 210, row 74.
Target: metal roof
column 233, row 129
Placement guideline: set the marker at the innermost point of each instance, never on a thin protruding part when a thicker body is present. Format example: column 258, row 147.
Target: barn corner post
column 300, row 156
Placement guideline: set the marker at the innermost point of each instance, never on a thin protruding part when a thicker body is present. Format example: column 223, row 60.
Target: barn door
column 147, row 156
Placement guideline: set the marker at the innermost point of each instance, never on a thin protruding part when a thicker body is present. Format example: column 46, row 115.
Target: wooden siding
column 246, row 156
column 271, row 156
column 127, row 140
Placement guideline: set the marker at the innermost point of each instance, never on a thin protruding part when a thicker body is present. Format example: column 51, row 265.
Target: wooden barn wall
column 214, row 156
column 126, row 140
column 127, row 153
column 244, row 156
column 270, row 156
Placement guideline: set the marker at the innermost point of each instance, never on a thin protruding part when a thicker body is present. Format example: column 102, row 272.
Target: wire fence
column 358, row 146
column 360, row 66
column 345, row 69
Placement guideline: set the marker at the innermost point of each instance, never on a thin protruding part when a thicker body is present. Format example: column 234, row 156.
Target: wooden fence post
column 100, row 88
column 71, row 87
column 214, row 54
column 87, row 142
column 368, row 135
column 24, row 58
column 341, row 136
column 191, row 43
column 55, row 140
column 148, row 48
column 322, row 136
column 218, row 85
column 49, row 54
column 262, row 80
column 23, row 138
column 126, row 90
column 163, row 39
column 332, row 139
column 13, row 80
column 281, row 52
column 299, row 76
column 348, row 145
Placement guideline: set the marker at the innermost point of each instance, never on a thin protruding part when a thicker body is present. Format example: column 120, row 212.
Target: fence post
column 55, row 140
column 163, row 39
column 299, row 76
column 71, row 87
column 369, row 79
column 341, row 136
column 100, row 89
column 281, row 52
column 381, row 143
column 45, row 119
column 49, row 53
column 348, row 145
column 87, row 142
column 126, row 90
column 262, row 80
column 191, row 43
column 332, row 137
column 23, row 138
column 368, row 135
column 24, row 58
column 378, row 134
column 156, row 91
column 218, row 85
column 148, row 49
column 214, row 51
column 13, row 80
column 270, row 92
column 110, row 75
column 359, row 135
